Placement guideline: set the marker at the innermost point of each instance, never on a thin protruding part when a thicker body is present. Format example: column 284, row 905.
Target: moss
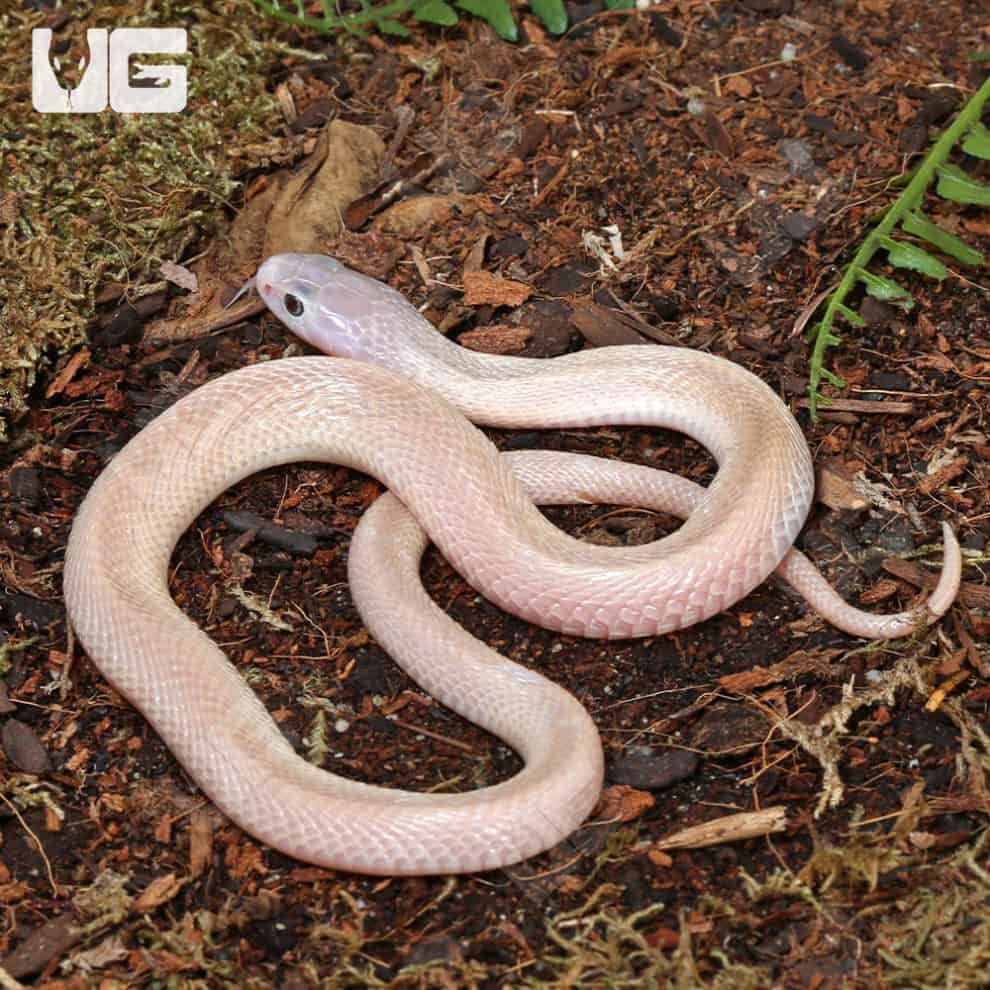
column 87, row 200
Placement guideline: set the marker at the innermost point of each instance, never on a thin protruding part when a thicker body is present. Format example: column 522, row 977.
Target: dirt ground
column 736, row 151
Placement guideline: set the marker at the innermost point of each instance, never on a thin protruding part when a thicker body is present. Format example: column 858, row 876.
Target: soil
column 739, row 150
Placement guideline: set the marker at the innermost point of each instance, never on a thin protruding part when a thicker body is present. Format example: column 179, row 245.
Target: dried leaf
column 621, row 803
column 160, row 890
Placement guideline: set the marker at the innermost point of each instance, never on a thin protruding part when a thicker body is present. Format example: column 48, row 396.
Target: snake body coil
column 407, row 424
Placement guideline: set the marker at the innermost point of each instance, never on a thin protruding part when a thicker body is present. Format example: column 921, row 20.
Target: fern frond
column 384, row 17
column 905, row 215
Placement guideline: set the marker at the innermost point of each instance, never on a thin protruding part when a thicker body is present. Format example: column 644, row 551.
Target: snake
column 396, row 399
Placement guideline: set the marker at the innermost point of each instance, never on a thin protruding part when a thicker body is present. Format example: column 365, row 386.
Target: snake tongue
column 247, row 287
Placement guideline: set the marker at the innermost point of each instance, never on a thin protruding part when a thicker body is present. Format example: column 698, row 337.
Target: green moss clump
column 87, row 200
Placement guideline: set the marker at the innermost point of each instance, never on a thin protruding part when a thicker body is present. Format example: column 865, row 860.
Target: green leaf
column 436, row 12
column 851, row 316
column 977, row 141
column 833, row 379
column 885, row 289
column 388, row 26
column 497, row 13
column 620, row 4
column 552, row 13
column 918, row 225
column 916, row 259
column 955, row 184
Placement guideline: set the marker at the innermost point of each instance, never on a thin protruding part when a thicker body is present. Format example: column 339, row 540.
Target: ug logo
column 106, row 78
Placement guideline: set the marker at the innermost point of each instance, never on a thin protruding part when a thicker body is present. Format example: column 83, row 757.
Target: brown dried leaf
column 476, row 256
column 835, row 487
column 711, row 131
column 179, row 275
column 738, row 86
column 602, row 327
column 160, row 890
column 622, row 804
column 299, row 211
column 110, row 950
column 307, row 208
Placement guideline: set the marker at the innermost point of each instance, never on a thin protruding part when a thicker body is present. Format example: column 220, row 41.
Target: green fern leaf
column 957, row 185
column 885, row 289
column 833, row 379
column 552, row 13
column 388, row 25
column 851, row 317
column 436, row 12
column 495, row 12
column 918, row 225
column 977, row 142
column 953, row 184
column 914, row 258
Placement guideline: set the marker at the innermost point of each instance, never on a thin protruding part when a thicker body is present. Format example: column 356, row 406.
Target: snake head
column 331, row 306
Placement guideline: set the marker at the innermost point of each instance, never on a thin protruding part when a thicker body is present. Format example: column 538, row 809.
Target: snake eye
column 293, row 304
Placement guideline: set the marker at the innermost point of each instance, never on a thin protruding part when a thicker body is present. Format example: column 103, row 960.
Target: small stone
column 435, row 949
column 24, row 748
column 273, row 937
column 798, row 226
column 798, row 156
column 850, row 53
column 25, row 485
column 651, row 769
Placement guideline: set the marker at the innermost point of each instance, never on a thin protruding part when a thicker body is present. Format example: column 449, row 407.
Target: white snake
column 399, row 423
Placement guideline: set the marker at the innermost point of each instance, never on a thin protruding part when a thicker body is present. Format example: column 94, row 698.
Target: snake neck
column 418, row 350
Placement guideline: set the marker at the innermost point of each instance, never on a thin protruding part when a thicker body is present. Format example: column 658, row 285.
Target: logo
column 107, row 75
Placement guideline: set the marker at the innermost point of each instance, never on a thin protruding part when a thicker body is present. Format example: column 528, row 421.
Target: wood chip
column 200, row 841
column 78, row 360
column 864, row 406
column 496, row 338
column 951, row 471
column 971, row 594
column 44, row 945
column 485, row 289
column 731, row 828
column 796, row 665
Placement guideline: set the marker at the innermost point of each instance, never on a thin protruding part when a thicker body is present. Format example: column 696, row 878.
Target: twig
column 37, row 842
